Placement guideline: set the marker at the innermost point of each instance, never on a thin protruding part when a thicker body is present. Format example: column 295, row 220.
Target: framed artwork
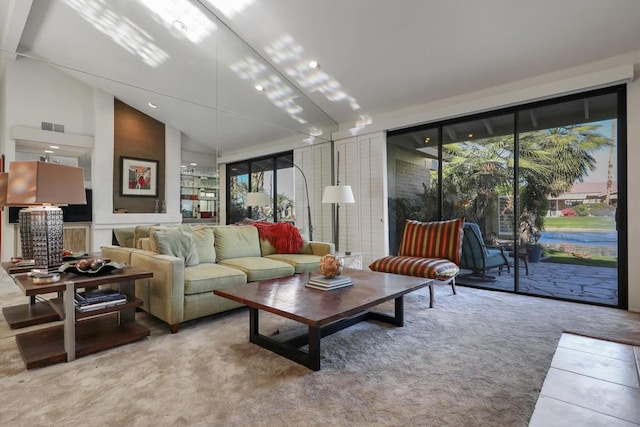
column 139, row 177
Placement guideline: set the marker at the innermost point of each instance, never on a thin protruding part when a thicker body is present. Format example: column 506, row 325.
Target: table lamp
column 337, row 194
column 42, row 187
column 4, row 180
column 257, row 198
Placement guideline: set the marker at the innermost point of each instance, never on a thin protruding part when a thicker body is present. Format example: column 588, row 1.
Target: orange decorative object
column 330, row 266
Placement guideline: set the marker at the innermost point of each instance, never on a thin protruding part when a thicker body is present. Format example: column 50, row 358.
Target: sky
column 602, row 157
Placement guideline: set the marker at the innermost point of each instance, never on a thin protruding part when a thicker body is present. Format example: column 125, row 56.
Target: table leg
column 398, row 317
column 127, row 287
column 69, row 321
column 314, row 349
column 311, row 358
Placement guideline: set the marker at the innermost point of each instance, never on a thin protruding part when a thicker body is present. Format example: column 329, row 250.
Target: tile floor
column 591, row 382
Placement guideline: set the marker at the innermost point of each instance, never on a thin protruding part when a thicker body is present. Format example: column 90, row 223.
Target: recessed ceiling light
column 470, row 135
column 179, row 25
column 55, row 147
column 314, row 65
column 152, row 105
column 48, row 151
column 193, row 164
column 426, row 140
column 259, row 88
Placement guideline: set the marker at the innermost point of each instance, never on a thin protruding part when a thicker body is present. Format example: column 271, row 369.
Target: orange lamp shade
column 37, row 183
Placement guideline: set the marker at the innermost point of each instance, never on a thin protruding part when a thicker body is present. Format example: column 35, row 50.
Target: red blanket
column 284, row 236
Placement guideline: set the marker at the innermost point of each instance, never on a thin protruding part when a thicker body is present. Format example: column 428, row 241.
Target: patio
column 576, row 282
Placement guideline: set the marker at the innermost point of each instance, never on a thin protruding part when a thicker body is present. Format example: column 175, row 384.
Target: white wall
column 39, row 93
column 35, row 92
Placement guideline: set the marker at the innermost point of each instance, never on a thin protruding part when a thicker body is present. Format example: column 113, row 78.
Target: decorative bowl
column 106, row 268
column 73, row 256
column 331, row 266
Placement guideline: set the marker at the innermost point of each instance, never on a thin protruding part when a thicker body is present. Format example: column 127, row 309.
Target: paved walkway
column 567, row 281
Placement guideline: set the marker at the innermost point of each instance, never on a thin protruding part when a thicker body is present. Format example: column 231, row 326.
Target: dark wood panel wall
column 139, row 136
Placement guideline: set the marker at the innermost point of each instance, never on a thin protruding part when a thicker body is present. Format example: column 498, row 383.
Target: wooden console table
column 82, row 332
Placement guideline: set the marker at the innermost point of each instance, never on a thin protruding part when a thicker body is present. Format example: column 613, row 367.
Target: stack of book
column 98, row 298
column 326, row 284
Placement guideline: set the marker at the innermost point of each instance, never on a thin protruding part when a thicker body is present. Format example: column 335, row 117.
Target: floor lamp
column 42, row 187
column 306, row 190
column 337, row 194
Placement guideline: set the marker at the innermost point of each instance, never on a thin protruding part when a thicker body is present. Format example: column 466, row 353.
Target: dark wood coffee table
column 325, row 312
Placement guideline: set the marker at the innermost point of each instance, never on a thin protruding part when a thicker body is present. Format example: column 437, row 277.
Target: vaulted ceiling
column 200, row 61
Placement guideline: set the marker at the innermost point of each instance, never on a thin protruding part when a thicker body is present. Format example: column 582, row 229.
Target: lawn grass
column 560, row 257
column 582, row 222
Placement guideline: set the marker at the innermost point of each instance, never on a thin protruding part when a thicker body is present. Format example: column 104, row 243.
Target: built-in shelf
column 199, row 192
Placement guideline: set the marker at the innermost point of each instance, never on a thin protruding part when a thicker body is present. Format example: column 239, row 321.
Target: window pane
column 238, row 174
column 412, row 164
column 569, row 194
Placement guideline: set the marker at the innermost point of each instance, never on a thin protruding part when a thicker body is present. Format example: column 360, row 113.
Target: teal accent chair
column 478, row 257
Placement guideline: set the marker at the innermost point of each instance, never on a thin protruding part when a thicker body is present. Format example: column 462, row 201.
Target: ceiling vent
column 52, row 126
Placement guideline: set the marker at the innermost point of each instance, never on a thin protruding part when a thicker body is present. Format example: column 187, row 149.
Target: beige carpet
column 476, row 359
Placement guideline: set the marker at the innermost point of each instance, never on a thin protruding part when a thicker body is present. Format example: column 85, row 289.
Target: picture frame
column 139, row 177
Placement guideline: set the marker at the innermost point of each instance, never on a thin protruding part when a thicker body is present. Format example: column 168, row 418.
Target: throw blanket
column 283, row 236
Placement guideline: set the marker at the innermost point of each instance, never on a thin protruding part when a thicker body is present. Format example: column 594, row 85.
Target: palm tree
column 550, row 162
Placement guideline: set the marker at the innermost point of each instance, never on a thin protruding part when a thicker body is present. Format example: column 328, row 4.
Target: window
column 257, row 176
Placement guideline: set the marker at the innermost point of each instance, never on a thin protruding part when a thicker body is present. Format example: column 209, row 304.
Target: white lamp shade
column 259, row 198
column 338, row 194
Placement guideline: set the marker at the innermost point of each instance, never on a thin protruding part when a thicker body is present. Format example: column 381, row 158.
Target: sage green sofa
column 225, row 256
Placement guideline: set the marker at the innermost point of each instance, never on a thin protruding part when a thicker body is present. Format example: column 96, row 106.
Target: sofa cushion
column 203, row 241
column 178, row 243
column 152, row 230
column 236, row 241
column 303, row 263
column 139, row 232
column 266, row 248
column 208, row 277
column 438, row 239
column 124, row 236
column 431, row 268
column 260, row 268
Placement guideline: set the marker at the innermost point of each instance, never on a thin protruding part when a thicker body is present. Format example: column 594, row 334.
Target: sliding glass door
column 569, row 192
column 541, row 182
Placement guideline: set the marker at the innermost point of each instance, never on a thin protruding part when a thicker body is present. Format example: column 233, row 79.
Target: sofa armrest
column 119, row 254
column 163, row 294
column 322, row 248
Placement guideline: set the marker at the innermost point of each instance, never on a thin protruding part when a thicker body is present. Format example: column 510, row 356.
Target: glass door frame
column 622, row 206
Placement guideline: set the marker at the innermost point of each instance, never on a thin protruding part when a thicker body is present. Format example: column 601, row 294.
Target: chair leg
column 432, row 298
column 453, row 286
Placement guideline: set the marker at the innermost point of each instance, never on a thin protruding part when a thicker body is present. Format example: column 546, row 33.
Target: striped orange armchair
column 428, row 249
